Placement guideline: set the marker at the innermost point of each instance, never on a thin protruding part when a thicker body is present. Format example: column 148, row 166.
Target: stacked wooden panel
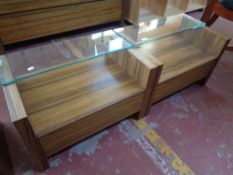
column 28, row 19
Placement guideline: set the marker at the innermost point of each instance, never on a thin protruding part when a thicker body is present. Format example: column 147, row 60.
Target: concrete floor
column 187, row 133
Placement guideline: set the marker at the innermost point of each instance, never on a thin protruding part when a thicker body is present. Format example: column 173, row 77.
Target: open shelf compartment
column 58, row 99
column 186, row 58
column 67, row 105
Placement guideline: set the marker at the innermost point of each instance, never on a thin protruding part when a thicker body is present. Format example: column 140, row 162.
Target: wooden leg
column 208, row 11
column 150, row 89
column 212, row 19
column 5, row 161
column 203, row 81
column 24, row 128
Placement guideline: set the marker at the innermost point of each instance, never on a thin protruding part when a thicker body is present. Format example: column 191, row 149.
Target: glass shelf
column 158, row 28
column 37, row 60
column 33, row 61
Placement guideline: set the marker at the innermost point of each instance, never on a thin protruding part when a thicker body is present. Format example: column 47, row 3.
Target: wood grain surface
column 150, row 9
column 140, row 66
column 132, row 10
column 33, row 24
column 70, row 104
column 89, row 125
column 95, row 85
column 12, row 95
column 16, row 6
column 32, row 143
column 187, row 58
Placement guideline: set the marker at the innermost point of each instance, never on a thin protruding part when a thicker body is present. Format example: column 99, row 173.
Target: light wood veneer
column 187, row 58
column 70, row 98
column 67, row 105
column 43, row 18
column 55, row 110
column 15, row 6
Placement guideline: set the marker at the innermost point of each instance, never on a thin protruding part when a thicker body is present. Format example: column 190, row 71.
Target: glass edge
column 63, row 66
column 129, row 43
column 168, row 35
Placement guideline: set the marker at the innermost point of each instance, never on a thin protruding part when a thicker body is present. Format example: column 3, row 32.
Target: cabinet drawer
column 15, row 6
column 29, row 25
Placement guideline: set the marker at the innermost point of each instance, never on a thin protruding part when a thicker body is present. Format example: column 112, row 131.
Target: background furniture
column 214, row 9
column 142, row 10
column 5, row 161
column 29, row 19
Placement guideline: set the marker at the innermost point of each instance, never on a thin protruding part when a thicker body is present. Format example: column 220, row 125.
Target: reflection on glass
column 34, row 61
column 58, row 54
column 154, row 9
column 158, row 28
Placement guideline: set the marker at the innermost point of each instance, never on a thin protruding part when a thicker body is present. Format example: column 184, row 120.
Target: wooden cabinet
column 24, row 20
column 59, row 108
column 62, row 92
column 91, row 84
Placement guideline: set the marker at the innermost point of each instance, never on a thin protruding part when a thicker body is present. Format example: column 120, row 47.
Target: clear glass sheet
column 34, row 61
column 158, row 28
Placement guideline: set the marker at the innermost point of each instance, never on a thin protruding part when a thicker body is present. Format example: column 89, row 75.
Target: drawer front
column 29, row 25
column 15, row 6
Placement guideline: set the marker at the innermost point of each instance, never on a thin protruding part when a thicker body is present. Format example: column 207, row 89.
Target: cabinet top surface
column 36, row 60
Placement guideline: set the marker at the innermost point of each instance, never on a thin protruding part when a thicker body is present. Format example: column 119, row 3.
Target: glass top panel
column 158, row 28
column 34, row 61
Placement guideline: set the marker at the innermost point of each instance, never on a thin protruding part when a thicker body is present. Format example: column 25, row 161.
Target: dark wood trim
column 6, row 167
column 212, row 19
column 150, row 89
column 31, row 141
column 208, row 11
column 123, row 13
